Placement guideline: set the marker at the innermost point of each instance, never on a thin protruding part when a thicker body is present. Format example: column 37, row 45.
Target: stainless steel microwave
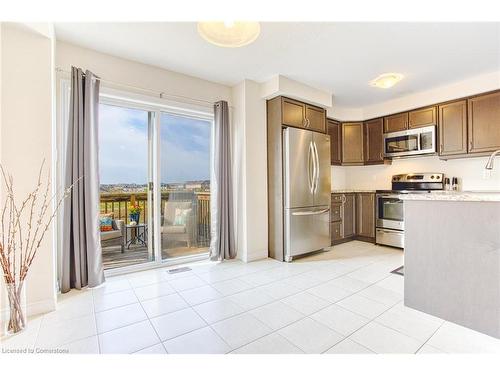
column 419, row 141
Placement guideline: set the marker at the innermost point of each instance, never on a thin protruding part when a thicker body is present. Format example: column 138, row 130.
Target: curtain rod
column 161, row 94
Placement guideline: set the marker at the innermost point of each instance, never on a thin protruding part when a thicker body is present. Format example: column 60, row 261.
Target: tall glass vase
column 15, row 321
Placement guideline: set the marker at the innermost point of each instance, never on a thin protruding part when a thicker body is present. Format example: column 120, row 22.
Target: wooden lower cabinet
column 352, row 217
column 348, row 216
column 365, row 215
column 336, row 231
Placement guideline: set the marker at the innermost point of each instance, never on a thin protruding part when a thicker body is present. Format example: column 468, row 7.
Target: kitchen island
column 452, row 257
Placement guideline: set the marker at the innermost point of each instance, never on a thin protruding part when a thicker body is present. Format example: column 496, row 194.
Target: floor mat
column 399, row 271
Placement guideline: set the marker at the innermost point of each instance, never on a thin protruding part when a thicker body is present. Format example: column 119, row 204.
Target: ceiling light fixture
column 229, row 33
column 386, row 80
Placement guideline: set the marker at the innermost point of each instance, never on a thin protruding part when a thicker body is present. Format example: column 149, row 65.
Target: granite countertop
column 460, row 196
column 344, row 191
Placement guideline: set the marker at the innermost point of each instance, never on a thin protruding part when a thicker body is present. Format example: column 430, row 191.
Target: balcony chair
column 170, row 230
column 115, row 237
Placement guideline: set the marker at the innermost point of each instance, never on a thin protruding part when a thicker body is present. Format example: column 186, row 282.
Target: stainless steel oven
column 390, row 223
column 411, row 142
column 390, row 211
column 389, row 220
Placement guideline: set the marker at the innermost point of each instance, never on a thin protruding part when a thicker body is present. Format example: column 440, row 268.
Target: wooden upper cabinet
column 422, row 117
column 396, row 123
column 335, row 132
column 374, row 142
column 452, row 128
column 315, row 118
column 301, row 115
column 365, row 214
column 352, row 143
column 484, row 123
column 293, row 112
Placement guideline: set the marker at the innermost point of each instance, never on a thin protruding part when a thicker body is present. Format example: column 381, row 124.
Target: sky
column 123, row 146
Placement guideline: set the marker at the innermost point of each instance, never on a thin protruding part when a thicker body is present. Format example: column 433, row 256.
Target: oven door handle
column 389, row 231
column 395, row 196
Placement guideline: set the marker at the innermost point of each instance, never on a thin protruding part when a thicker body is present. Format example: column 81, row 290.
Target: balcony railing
column 119, row 203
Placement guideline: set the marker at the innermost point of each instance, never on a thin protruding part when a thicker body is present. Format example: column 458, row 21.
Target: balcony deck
column 118, row 204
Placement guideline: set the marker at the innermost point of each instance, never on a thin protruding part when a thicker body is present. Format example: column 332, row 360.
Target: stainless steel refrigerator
column 307, row 191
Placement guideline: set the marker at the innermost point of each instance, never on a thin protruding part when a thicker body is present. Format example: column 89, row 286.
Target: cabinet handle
column 441, row 148
column 308, row 122
column 470, row 145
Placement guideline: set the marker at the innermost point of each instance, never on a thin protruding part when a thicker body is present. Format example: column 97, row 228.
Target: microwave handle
column 419, row 142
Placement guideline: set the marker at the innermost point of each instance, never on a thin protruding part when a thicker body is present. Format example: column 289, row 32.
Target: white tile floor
column 341, row 301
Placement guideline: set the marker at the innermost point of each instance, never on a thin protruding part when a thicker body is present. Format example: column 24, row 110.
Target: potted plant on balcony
column 23, row 226
column 134, row 213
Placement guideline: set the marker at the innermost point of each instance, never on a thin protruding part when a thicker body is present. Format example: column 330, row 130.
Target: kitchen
column 369, row 203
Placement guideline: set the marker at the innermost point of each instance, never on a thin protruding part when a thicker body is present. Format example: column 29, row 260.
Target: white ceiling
column 338, row 57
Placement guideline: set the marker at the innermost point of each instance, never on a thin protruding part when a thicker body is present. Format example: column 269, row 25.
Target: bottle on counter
column 454, row 184
column 447, row 185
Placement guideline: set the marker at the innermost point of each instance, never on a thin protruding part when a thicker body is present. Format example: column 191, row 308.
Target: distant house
column 193, row 185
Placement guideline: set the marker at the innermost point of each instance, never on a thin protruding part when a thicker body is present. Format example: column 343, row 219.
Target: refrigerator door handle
column 310, row 171
column 316, row 181
column 307, row 213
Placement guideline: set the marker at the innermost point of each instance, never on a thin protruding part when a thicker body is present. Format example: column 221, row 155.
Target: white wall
column 470, row 171
column 249, row 125
column 26, row 135
column 281, row 85
column 128, row 72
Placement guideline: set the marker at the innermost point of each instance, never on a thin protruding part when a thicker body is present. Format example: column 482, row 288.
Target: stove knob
column 432, row 177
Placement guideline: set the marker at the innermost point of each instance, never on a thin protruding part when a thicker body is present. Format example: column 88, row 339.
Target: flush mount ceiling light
column 386, row 80
column 229, row 34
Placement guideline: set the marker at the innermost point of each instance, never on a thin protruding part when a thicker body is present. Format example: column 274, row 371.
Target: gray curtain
column 81, row 252
column 223, row 243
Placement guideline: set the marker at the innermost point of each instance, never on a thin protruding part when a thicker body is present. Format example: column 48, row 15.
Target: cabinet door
column 348, row 216
column 334, row 131
column 315, row 118
column 453, row 128
column 352, row 143
column 396, row 123
column 293, row 113
column 336, row 230
column 374, row 142
column 336, row 212
column 422, row 117
column 365, row 214
column 484, row 123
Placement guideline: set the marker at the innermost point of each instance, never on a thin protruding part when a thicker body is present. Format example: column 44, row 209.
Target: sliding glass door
column 154, row 183
column 184, row 175
column 125, row 155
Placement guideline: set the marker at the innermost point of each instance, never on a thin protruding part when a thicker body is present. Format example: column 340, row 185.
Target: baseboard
column 364, row 239
column 41, row 307
column 354, row 238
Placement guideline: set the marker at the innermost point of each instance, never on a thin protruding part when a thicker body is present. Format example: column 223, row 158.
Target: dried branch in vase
column 24, row 224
